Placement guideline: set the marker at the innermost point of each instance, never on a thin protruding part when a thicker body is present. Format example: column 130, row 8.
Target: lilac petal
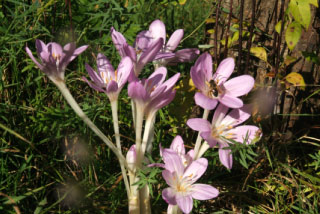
column 168, row 194
column 190, row 155
column 172, row 161
column 77, row 52
column 41, row 47
column 207, row 137
column 157, row 30
column 124, row 69
column 104, row 65
column 171, row 82
column 130, row 52
column 247, row 133
column 161, row 101
column 174, row 40
column 225, row 155
column 94, row 86
column 55, row 49
column 185, row 55
column 93, row 75
column 238, row 116
column 198, row 78
column 196, row 169
column 205, row 102
column 199, row 124
column 112, row 87
column 170, row 178
column 165, row 56
column 160, row 72
column 178, row 145
column 34, row 59
column 142, row 40
column 239, row 86
column 206, row 63
column 132, row 77
column 148, row 55
column 224, row 70
column 118, row 40
column 185, row 203
column 219, row 114
column 204, row 192
column 230, row 101
column 137, row 92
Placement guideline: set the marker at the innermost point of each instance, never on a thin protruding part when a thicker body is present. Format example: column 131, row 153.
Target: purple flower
column 157, row 30
column 182, row 188
column 107, row 79
column 224, row 127
column 153, row 93
column 139, row 56
column 215, row 87
column 54, row 58
column 177, row 145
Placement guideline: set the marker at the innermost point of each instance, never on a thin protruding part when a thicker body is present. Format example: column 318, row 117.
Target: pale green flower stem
column 204, row 147
column 74, row 105
column 199, row 138
column 144, row 192
column 114, row 108
column 134, row 199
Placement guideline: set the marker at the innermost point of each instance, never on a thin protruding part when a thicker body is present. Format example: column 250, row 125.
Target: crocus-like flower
column 224, row 127
column 157, row 30
column 177, row 145
column 215, row 87
column 107, row 79
column 140, row 57
column 54, row 58
column 153, row 93
column 182, row 188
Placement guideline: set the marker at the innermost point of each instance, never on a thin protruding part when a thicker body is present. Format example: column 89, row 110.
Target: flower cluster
column 181, row 170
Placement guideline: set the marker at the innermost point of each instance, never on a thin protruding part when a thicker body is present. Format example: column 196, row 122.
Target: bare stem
column 199, row 138
column 114, row 108
column 74, row 105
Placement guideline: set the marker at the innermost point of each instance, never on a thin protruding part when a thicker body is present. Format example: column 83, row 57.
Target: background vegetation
column 52, row 163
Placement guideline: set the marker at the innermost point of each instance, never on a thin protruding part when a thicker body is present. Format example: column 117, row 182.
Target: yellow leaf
column 210, row 20
column 314, row 2
column 211, row 31
column 278, row 27
column 293, row 34
column 182, row 2
column 296, row 79
column 289, row 60
column 259, row 52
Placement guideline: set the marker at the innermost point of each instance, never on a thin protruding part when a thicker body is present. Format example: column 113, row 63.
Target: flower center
column 57, row 58
column 217, row 132
column 106, row 77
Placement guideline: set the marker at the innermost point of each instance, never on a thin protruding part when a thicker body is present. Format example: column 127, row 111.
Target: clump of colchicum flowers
column 181, row 170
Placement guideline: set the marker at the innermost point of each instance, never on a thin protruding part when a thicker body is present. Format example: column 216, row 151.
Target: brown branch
column 240, row 34
column 228, row 28
column 251, row 35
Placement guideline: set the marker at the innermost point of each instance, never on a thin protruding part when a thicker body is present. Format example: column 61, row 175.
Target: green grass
column 52, row 163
